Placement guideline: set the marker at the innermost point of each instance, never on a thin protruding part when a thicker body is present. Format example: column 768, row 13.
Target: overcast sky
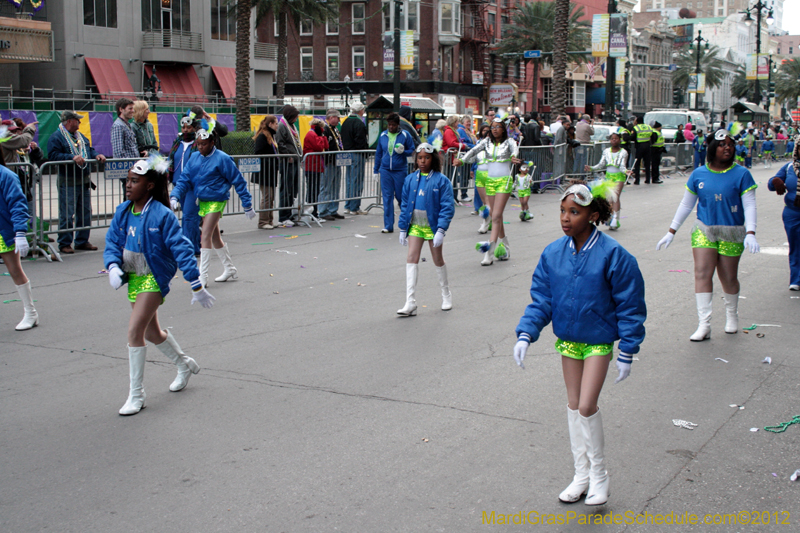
column 791, row 12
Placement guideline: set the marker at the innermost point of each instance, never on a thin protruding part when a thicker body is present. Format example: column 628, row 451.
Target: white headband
column 583, row 196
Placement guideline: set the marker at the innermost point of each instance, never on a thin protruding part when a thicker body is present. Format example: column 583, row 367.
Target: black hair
column 122, row 103
column 711, row 155
column 480, row 130
column 436, row 161
column 159, row 181
column 393, row 117
column 599, row 205
column 505, row 132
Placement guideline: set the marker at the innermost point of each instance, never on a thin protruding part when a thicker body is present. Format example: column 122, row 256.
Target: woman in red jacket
column 314, row 142
column 450, row 139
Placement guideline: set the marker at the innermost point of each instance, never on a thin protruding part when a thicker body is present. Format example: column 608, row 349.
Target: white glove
column 403, row 238
column 623, row 366
column 250, row 213
column 204, row 298
column 115, row 275
column 438, row 239
column 520, row 349
column 751, row 243
column 665, row 241
column 399, row 149
column 21, row 244
column 174, row 203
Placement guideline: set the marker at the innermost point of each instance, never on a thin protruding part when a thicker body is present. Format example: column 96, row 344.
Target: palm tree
column 243, row 9
column 741, row 86
column 787, row 82
column 558, row 101
column 315, row 11
column 709, row 65
column 532, row 29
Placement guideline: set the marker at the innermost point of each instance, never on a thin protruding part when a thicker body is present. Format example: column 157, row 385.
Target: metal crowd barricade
column 272, row 181
column 542, row 178
column 336, row 177
column 29, row 179
column 684, row 157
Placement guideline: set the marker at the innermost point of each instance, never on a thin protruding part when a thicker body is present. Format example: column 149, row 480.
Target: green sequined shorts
column 496, row 186
column 580, row 350
column 211, row 207
column 616, row 177
column 480, row 178
column 4, row 248
column 423, row 232
column 140, row 284
column 523, row 193
column 730, row 249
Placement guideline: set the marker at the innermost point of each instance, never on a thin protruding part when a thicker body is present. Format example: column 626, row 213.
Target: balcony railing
column 183, row 40
column 265, row 51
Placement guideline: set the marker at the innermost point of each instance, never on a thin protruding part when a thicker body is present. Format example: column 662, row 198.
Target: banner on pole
column 618, row 40
column 697, row 83
column 620, row 74
column 752, row 67
column 407, row 50
column 600, row 35
column 763, row 66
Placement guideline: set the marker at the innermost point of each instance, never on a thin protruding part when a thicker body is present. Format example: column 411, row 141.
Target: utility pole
column 611, row 72
column 748, row 20
column 396, row 77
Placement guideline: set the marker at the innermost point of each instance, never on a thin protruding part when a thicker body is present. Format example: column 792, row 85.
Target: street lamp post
column 748, row 20
column 347, row 91
column 700, row 40
column 611, row 74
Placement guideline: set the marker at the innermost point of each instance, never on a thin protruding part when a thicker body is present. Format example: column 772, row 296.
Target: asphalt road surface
column 318, row 409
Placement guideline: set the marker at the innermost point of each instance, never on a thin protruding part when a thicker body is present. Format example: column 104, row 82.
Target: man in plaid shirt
column 123, row 140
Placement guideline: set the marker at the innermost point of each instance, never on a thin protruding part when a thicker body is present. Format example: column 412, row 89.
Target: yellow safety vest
column 659, row 141
column 643, row 133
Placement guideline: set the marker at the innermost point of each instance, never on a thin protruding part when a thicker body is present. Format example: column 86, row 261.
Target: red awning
column 109, row 76
column 178, row 80
column 226, row 77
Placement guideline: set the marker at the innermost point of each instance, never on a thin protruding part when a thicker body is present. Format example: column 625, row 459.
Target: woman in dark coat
column 267, row 178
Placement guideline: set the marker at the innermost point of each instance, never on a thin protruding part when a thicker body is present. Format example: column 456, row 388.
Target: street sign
column 532, row 54
column 118, row 169
column 344, row 160
column 673, row 67
column 249, row 164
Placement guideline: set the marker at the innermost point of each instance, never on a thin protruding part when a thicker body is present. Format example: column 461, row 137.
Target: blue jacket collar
column 590, row 242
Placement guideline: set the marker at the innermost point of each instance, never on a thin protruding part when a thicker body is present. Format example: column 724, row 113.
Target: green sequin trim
column 729, row 249
column 140, row 284
column 4, row 248
column 423, row 232
column 751, row 188
column 616, row 176
column 496, row 186
column 580, row 350
column 211, row 207
column 720, row 171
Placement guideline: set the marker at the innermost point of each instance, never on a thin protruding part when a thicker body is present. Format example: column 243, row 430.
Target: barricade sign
column 249, row 164
column 118, row 170
column 344, row 160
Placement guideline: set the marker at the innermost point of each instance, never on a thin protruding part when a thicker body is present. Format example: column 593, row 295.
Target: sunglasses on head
column 722, row 134
column 583, row 196
column 425, row 147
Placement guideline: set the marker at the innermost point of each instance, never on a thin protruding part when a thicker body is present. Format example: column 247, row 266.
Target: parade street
column 318, row 409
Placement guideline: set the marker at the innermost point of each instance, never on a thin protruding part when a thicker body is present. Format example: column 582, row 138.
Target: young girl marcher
column 500, row 153
column 426, row 211
column 726, row 224
column 211, row 173
column 144, row 247
column 523, row 185
column 481, row 173
column 182, row 149
column 13, row 242
column 591, row 288
column 613, row 161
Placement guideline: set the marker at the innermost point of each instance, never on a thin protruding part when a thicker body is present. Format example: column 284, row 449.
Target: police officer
column 656, row 149
column 643, row 135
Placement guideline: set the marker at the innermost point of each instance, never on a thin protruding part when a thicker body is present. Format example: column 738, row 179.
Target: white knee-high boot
column 580, row 482
column 731, row 313
column 225, row 257
column 447, row 297
column 31, row 317
column 205, row 262
column 410, row 309
column 136, row 396
column 595, row 443
column 186, row 365
column 503, row 251
column 704, row 317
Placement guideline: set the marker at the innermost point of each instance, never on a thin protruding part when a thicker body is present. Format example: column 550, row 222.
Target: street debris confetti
column 371, row 249
column 783, row 426
column 360, row 236
column 720, row 359
column 292, row 237
column 795, row 476
column 754, row 326
column 337, row 227
column 678, row 271
column 683, row 424
column 737, row 406
column 760, row 335
column 100, row 272
column 11, row 301
column 753, row 429
column 767, row 360
column 362, row 284
column 286, row 252
column 374, row 226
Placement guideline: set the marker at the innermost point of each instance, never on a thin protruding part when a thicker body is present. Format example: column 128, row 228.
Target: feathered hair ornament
column 153, row 162
column 437, row 143
column 735, row 128
column 604, row 188
column 501, row 116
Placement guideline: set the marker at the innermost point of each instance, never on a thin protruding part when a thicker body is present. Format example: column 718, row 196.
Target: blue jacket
column 58, row 150
column 768, row 146
column 464, row 137
column 699, row 147
column 211, row 177
column 163, row 243
column 13, row 206
column 787, row 174
column 439, row 201
column 595, row 296
column 393, row 161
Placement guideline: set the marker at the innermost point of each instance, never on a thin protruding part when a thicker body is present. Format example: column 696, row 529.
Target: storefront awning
column 744, row 107
column 226, row 77
column 109, row 76
column 179, row 80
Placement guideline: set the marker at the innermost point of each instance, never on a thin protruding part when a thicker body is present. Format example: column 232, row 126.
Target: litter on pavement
column 683, row 424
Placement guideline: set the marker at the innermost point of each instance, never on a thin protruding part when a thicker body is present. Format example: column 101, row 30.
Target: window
column 306, row 27
column 359, row 14
column 492, row 22
column 223, row 21
column 102, row 13
column 168, row 15
column 359, row 58
column 547, row 87
column 331, row 27
column 332, row 63
column 409, row 16
column 306, row 59
column 576, row 94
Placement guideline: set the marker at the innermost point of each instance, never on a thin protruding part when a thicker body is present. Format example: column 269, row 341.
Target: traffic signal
column 617, row 94
column 772, row 89
column 363, row 95
column 676, row 96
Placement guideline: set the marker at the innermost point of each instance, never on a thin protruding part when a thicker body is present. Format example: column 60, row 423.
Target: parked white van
column 670, row 119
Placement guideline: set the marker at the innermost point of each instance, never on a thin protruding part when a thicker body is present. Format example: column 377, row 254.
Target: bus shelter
column 425, row 113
